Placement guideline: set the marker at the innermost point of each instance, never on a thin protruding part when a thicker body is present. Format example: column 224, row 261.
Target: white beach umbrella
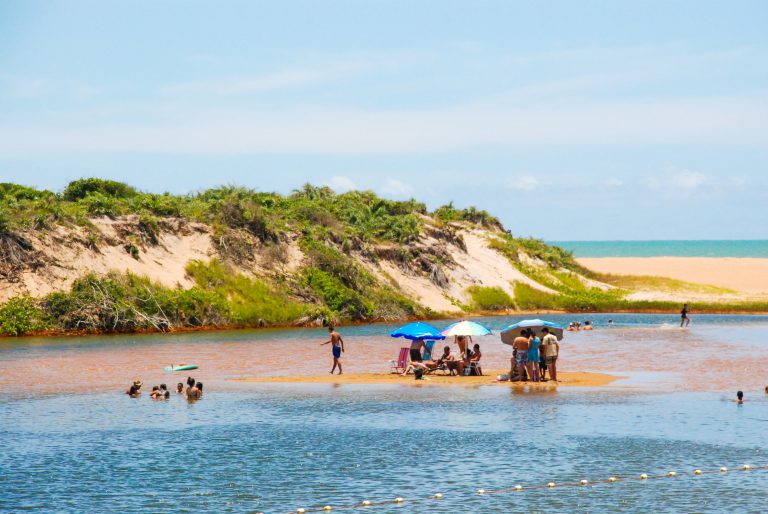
column 466, row 328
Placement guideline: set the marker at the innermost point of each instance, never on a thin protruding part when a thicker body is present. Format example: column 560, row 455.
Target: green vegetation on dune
column 489, row 299
column 340, row 235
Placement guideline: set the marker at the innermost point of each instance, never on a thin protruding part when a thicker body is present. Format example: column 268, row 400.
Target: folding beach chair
column 401, row 364
column 473, row 368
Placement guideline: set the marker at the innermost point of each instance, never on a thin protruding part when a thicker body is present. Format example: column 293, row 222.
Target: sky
column 588, row 120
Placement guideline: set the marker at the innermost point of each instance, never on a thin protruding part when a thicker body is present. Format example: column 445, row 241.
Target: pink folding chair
column 402, row 361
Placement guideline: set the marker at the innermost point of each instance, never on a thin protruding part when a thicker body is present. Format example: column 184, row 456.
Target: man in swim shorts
column 521, row 344
column 337, row 347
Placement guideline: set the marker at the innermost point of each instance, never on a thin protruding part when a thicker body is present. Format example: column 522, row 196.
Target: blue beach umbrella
column 509, row 334
column 417, row 330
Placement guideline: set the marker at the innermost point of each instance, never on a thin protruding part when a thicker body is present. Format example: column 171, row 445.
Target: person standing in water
column 684, row 319
column 337, row 348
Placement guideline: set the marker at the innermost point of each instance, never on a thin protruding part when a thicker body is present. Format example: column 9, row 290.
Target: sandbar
column 568, row 379
column 747, row 275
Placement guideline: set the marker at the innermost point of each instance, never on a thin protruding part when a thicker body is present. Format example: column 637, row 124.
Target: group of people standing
column 533, row 357
column 193, row 391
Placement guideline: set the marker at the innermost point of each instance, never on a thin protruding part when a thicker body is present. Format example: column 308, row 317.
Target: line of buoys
column 518, row 487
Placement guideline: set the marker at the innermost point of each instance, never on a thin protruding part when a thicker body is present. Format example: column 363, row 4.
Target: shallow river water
column 72, row 442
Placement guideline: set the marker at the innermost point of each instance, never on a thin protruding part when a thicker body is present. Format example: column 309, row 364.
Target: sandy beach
column 568, row 379
column 745, row 275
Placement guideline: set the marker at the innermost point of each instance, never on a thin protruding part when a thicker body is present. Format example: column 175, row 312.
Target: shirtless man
column 338, row 348
column 521, row 345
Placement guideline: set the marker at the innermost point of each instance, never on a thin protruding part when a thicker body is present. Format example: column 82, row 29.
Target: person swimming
column 180, row 388
column 740, row 397
column 133, row 391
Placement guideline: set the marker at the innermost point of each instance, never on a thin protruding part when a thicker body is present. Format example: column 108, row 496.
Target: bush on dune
column 490, row 298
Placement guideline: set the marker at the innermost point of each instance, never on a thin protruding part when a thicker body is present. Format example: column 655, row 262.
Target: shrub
column 250, row 301
column 490, row 298
column 20, row 315
column 528, row 298
column 80, row 189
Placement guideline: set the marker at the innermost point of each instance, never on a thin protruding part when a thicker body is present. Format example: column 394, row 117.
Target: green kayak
column 180, row 367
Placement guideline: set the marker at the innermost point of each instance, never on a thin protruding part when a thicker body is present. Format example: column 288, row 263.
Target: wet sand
column 567, row 379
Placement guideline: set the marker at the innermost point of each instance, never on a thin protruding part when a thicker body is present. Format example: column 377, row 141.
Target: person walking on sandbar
column 684, row 319
column 337, row 348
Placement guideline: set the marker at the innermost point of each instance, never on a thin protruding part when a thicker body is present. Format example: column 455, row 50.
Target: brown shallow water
column 705, row 357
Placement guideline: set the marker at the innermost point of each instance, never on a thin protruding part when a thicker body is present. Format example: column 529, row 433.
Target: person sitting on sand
column 740, row 397
column 180, row 388
column 474, row 359
column 414, row 365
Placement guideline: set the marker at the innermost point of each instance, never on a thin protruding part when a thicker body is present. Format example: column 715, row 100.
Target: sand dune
column 746, row 275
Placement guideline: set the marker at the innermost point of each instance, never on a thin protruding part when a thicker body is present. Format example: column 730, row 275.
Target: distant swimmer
column 587, row 325
column 180, row 388
column 740, row 397
column 684, row 319
column 337, row 347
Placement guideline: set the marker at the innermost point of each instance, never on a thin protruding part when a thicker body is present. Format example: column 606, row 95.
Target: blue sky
column 569, row 120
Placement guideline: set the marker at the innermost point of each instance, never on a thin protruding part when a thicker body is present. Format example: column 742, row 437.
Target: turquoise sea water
column 256, row 447
column 745, row 248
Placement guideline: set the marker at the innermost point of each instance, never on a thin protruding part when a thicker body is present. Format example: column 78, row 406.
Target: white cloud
column 397, row 189
column 614, row 182
column 22, row 87
column 338, row 131
column 525, row 183
column 685, row 179
column 341, row 184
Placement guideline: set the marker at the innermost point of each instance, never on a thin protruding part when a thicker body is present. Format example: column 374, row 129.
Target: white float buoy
column 518, row 488
column 643, row 477
column 327, row 507
column 697, row 472
column 672, row 474
column 366, row 503
column 438, row 496
column 398, row 500
column 584, row 482
column 746, row 467
column 612, row 479
column 551, row 484
column 481, row 491
column 300, row 511
column 723, row 469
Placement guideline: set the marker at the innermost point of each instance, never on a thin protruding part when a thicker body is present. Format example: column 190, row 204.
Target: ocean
column 670, row 248
column 73, row 442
